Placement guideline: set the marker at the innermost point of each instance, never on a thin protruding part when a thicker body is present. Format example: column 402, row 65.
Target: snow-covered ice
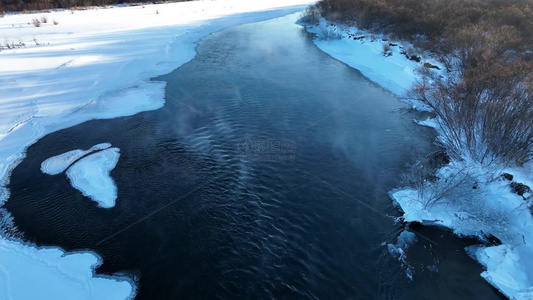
column 94, row 64
column 88, row 171
column 59, row 163
column 90, row 175
column 364, row 51
column 27, row 272
column 488, row 210
column 504, row 270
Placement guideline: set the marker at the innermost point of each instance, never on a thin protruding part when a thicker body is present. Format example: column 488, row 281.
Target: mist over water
column 264, row 176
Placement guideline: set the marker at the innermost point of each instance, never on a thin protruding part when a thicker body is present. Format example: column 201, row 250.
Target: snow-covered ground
column 469, row 199
column 27, row 272
column 477, row 201
column 91, row 64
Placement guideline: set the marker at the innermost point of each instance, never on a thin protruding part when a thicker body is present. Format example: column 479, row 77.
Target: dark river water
column 264, row 176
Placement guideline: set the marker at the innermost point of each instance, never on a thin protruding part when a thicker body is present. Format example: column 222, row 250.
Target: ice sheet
column 27, row 272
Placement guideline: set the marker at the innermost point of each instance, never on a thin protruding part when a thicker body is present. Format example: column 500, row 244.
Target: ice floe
column 90, row 175
column 59, row 163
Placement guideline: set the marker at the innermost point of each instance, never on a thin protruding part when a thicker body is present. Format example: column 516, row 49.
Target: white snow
column 90, row 175
column 394, row 73
column 504, row 269
column 27, row 272
column 59, row 163
column 94, row 64
column 490, row 209
column 452, row 201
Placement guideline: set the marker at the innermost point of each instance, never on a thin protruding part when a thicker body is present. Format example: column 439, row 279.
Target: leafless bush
column 311, row 15
column 55, row 22
column 430, row 189
column 387, row 51
column 327, row 32
column 12, row 44
column 44, row 19
column 409, row 19
column 484, row 104
column 36, row 22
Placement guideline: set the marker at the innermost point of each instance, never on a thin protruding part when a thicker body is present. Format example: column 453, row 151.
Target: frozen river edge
column 509, row 265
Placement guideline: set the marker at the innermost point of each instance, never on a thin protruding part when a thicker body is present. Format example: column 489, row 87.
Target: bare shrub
column 311, row 15
column 44, row 19
column 410, row 51
column 409, row 19
column 55, row 22
column 387, row 51
column 484, row 103
column 327, row 32
column 12, row 44
column 430, row 189
column 36, row 22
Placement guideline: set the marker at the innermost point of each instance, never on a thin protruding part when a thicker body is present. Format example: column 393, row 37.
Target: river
column 264, row 176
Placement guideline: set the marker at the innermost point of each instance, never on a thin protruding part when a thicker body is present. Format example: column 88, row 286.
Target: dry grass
column 431, row 18
column 36, row 22
column 484, row 103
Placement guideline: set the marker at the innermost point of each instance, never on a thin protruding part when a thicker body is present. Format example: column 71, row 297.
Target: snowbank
column 365, row 52
column 468, row 199
column 478, row 202
column 90, row 175
column 94, row 64
column 59, row 163
column 27, row 272
column 505, row 270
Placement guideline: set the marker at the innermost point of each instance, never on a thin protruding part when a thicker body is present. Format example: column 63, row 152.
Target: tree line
column 33, row 5
column 484, row 102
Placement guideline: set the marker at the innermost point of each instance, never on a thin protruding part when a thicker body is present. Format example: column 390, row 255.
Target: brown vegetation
column 33, row 5
column 432, row 19
column 484, row 103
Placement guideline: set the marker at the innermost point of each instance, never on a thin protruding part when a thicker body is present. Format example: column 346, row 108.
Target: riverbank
column 92, row 64
column 469, row 199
